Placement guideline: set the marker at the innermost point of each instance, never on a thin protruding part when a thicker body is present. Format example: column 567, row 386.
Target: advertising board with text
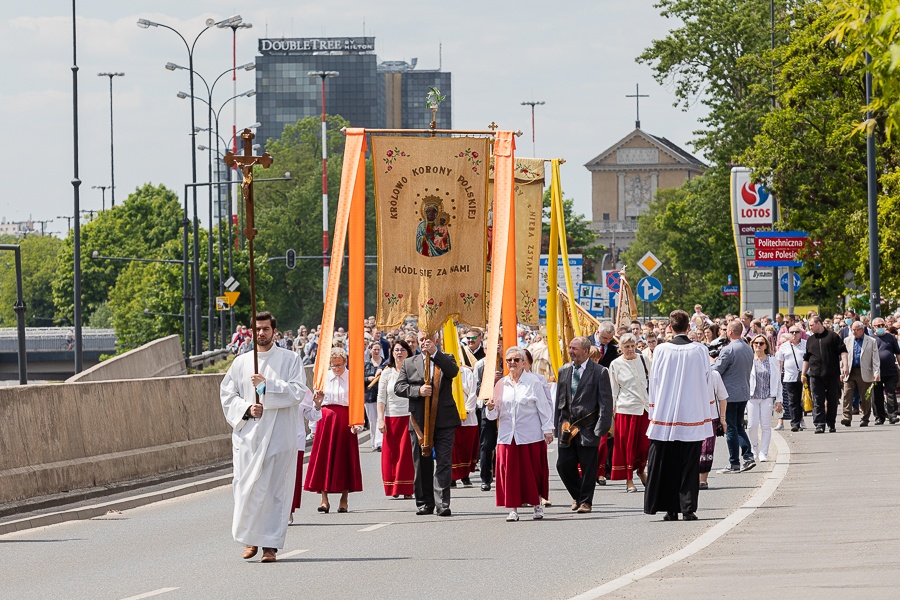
column 575, row 269
column 752, row 211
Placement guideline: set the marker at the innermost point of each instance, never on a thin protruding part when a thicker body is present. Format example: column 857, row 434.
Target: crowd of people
column 644, row 401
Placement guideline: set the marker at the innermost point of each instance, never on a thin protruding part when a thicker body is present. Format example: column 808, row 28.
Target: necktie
column 602, row 346
column 576, row 378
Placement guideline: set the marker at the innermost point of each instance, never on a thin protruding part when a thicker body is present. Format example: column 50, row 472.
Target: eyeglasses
column 472, row 338
column 759, row 343
column 513, row 360
column 336, row 366
column 793, row 332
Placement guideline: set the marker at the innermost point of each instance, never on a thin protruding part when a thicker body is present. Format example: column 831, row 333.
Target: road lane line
column 151, row 594
column 759, row 498
column 292, row 553
column 374, row 527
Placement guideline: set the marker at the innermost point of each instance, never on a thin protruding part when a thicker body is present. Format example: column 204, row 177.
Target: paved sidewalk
column 830, row 530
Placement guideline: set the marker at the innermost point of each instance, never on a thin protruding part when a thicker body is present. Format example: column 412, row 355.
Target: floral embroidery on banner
column 393, row 155
column 473, row 158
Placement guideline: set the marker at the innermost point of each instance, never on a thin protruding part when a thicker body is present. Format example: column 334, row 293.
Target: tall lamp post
column 102, row 189
column 145, row 24
column 324, row 75
column 532, row 104
column 112, row 162
column 76, row 232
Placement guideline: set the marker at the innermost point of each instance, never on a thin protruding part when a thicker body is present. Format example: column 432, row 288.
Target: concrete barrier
column 160, row 358
column 63, row 437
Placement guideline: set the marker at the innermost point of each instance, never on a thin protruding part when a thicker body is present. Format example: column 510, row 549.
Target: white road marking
column 551, row 449
column 151, row 594
column 292, row 553
column 374, row 527
column 764, row 492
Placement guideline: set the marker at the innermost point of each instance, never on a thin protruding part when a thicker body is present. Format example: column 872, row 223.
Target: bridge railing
column 54, row 339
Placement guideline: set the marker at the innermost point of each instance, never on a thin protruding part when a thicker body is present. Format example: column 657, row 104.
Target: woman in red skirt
column 525, row 427
column 629, row 377
column 334, row 459
column 397, row 470
column 467, row 441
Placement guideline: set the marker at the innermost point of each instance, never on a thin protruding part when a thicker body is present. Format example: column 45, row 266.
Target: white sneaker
column 512, row 516
column 779, row 427
column 538, row 512
column 802, row 425
column 763, row 458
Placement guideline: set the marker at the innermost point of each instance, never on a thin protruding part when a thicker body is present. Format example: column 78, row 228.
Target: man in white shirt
column 264, row 438
column 790, row 355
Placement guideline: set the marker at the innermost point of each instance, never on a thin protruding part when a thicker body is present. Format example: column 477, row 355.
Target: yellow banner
column 431, row 201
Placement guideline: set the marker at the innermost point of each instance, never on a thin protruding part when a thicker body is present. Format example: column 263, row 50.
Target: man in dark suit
column 583, row 399
column 432, row 481
column 604, row 339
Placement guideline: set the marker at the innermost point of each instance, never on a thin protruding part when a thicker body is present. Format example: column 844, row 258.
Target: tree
column 39, row 255
column 138, row 228
column 580, row 238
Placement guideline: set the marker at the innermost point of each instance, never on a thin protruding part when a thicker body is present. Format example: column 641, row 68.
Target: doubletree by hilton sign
column 355, row 45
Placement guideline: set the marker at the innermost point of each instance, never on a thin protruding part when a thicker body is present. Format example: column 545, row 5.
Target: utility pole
column 68, row 221
column 43, row 225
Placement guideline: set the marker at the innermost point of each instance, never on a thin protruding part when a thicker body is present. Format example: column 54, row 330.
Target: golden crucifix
column 246, row 162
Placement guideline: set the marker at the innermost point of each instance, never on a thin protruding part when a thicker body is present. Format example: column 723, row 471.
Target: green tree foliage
column 580, row 238
column 289, row 215
column 685, row 228
column 39, row 256
column 138, row 228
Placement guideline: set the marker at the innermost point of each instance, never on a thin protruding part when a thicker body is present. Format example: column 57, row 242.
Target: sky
column 579, row 59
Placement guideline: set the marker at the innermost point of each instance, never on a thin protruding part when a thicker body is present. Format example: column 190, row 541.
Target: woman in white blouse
column 765, row 390
column 397, row 471
column 629, row 377
column 525, row 427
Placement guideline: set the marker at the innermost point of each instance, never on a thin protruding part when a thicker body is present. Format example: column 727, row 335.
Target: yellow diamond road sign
column 649, row 263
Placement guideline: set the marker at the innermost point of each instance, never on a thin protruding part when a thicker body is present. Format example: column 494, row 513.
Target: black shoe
column 670, row 516
column 832, row 429
column 820, row 429
column 444, row 512
column 894, row 420
column 485, row 487
column 845, row 422
column 689, row 516
column 795, row 428
column 466, row 482
column 453, row 483
column 879, row 421
column 425, row 510
column 863, row 423
column 748, row 464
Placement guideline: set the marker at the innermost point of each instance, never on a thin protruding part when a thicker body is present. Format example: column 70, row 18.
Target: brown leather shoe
column 574, row 505
column 268, row 555
column 250, row 552
column 584, row 508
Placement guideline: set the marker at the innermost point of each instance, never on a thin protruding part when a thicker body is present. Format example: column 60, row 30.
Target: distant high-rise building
column 366, row 93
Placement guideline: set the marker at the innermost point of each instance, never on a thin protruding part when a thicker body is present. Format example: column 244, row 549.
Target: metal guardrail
column 55, row 339
column 210, row 357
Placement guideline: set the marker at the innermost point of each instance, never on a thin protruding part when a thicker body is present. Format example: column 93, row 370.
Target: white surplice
column 265, row 449
column 681, row 393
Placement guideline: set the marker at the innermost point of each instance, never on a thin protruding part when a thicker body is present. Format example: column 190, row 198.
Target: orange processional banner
column 431, row 211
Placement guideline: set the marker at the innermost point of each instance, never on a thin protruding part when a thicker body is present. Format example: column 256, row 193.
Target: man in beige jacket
column 865, row 369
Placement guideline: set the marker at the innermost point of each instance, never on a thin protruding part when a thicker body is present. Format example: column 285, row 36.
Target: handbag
column 807, row 399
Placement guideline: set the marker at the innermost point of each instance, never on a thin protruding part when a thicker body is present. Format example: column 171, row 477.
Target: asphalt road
column 182, row 548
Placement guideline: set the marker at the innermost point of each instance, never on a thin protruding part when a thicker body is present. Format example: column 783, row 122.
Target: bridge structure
column 50, row 351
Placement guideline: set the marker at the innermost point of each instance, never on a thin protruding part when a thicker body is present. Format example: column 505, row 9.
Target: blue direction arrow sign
column 784, row 282
column 649, row 289
column 613, row 281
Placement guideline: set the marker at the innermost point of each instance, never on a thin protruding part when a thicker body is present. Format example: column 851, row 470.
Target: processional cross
column 637, row 95
column 246, row 162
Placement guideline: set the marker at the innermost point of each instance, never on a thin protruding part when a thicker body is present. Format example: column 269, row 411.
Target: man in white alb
column 264, row 438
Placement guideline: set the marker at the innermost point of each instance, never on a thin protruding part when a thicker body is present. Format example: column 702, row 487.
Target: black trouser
column 673, row 477
column 486, row 452
column 886, row 389
column 794, row 391
column 432, row 480
column 568, row 459
column 826, row 392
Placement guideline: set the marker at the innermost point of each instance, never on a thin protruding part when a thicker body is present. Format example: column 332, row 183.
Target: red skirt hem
column 630, row 445
column 397, row 471
column 465, row 452
column 334, row 458
column 523, row 475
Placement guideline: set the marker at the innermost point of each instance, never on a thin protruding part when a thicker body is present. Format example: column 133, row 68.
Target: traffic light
column 290, row 258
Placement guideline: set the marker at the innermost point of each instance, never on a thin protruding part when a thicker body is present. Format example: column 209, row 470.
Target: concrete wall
column 61, row 437
column 160, row 358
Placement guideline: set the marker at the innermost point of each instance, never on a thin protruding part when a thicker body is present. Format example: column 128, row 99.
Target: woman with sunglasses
column 765, row 390
column 525, row 427
column 397, row 470
column 629, row 376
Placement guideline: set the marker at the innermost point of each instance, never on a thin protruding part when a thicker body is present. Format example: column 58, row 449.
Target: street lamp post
column 144, row 24
column 112, row 163
column 532, row 104
column 102, row 189
column 76, row 232
column 324, row 75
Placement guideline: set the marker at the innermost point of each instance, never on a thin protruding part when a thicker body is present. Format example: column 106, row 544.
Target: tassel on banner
column 350, row 214
column 504, row 187
column 451, row 347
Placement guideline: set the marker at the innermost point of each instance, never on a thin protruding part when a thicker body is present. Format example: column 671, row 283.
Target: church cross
column 637, row 95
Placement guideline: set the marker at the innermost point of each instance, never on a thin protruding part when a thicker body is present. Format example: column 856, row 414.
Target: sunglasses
column 793, row 332
column 513, row 360
column 759, row 343
column 472, row 338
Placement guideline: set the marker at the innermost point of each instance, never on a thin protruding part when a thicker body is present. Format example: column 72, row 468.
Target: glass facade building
column 366, row 93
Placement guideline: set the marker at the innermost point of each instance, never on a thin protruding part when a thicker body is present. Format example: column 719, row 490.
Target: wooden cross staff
column 246, row 162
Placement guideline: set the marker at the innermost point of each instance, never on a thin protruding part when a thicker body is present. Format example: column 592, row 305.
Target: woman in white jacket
column 765, row 389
